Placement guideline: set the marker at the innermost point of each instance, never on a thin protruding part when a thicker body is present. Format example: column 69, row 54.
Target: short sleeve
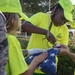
column 16, row 63
column 36, row 19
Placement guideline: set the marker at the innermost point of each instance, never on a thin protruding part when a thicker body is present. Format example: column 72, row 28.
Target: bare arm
column 65, row 50
column 71, row 55
column 31, row 69
column 34, row 63
column 27, row 26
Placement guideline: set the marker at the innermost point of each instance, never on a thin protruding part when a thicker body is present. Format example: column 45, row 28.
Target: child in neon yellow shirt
column 16, row 64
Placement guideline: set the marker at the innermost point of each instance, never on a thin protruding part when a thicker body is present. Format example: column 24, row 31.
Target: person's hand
column 63, row 46
column 64, row 50
column 50, row 37
column 40, row 58
column 60, row 46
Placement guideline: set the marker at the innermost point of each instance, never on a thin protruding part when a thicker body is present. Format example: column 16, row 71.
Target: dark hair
column 12, row 21
column 57, row 5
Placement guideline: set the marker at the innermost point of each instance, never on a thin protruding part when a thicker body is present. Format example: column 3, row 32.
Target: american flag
column 48, row 66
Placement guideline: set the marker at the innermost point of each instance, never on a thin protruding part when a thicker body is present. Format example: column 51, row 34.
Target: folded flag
column 48, row 66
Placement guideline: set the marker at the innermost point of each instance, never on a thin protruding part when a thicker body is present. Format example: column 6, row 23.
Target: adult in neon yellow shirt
column 38, row 41
column 62, row 13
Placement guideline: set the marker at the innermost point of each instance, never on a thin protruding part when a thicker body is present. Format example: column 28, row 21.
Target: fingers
column 63, row 51
column 51, row 38
column 64, row 46
column 40, row 58
column 43, row 55
column 53, row 41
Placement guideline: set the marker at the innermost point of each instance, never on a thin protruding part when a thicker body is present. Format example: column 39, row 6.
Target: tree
column 34, row 6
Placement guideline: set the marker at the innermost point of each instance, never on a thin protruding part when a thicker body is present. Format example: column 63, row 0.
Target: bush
column 65, row 66
column 23, row 42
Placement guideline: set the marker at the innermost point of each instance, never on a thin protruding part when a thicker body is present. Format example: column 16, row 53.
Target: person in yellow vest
column 49, row 29
column 16, row 64
column 3, row 44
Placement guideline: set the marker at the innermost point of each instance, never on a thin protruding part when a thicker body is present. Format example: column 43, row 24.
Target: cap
column 12, row 6
column 68, row 9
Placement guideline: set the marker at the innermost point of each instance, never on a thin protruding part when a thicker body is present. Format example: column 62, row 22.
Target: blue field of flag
column 48, row 66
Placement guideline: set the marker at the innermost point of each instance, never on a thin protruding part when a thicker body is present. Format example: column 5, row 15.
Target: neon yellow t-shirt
column 16, row 63
column 36, row 40
column 42, row 20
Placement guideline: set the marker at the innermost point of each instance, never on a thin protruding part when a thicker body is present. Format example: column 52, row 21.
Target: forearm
column 71, row 55
column 31, row 68
column 37, row 60
column 33, row 29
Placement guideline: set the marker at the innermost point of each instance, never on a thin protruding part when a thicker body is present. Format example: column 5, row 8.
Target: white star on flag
column 52, row 54
column 39, row 67
column 30, row 57
column 46, row 60
column 53, row 64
